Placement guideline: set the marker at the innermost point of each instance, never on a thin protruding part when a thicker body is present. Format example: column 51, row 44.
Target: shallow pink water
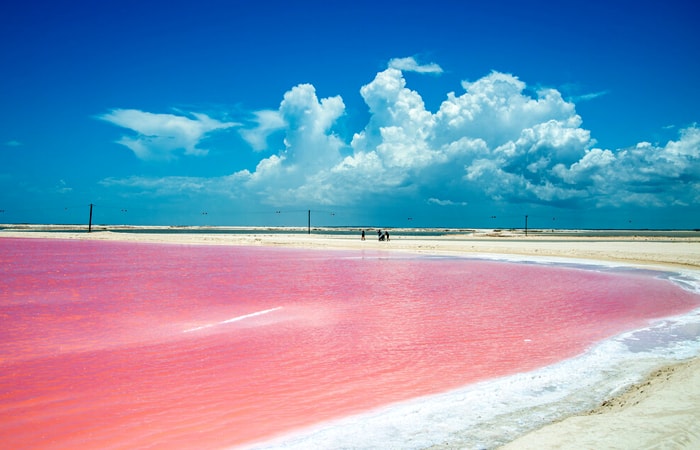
column 118, row 345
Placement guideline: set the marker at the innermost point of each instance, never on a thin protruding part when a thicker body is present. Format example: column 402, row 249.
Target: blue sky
column 441, row 113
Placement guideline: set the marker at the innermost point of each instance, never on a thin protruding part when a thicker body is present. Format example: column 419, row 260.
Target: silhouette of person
column 363, row 235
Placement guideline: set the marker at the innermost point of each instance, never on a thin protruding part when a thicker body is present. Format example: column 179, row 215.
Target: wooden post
column 90, row 222
column 525, row 224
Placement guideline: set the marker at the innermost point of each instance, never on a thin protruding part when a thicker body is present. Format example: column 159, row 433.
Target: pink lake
column 123, row 345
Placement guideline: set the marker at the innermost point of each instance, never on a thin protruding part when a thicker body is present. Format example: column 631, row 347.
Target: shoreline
column 633, row 250
column 661, row 411
column 664, row 408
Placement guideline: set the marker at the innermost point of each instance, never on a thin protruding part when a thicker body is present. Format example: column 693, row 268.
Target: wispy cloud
column 162, row 136
column 62, row 187
column 268, row 122
column 410, row 64
column 175, row 185
column 588, row 97
column 442, row 202
column 13, row 143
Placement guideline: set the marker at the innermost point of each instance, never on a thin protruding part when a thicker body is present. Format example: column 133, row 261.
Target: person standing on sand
column 363, row 235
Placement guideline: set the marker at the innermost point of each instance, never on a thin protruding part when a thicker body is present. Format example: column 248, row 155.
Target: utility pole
column 525, row 224
column 90, row 222
column 309, row 221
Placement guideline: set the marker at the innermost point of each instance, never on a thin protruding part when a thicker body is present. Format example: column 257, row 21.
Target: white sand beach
column 638, row 250
column 663, row 411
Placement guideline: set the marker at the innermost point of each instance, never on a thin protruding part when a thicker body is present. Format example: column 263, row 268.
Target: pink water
column 119, row 345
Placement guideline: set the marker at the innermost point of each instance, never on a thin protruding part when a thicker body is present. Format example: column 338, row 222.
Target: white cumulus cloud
column 644, row 174
column 495, row 140
column 311, row 148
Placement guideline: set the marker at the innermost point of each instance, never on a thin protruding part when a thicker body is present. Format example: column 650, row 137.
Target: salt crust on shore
column 663, row 411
